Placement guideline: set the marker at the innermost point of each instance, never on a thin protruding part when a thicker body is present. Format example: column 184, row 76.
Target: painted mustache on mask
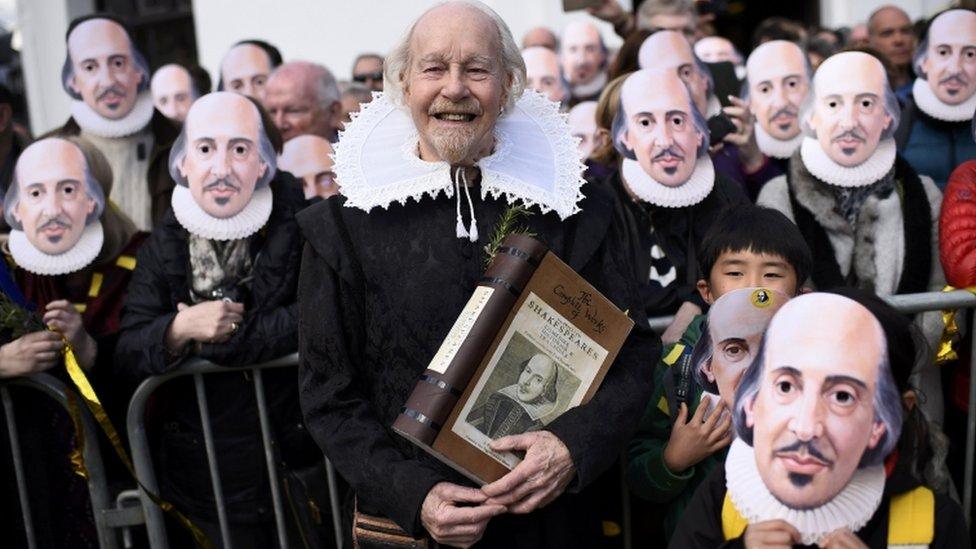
column 809, row 448
column 850, row 134
column 672, row 151
column 56, row 222
column 114, row 90
column 958, row 78
column 223, row 182
column 785, row 111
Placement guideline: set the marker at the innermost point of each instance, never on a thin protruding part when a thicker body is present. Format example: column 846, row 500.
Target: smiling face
column 53, row 202
column 309, row 158
column 670, row 50
column 778, row 84
column 245, row 70
column 813, row 417
column 950, row 59
column 172, row 91
column 538, row 374
column 222, row 163
column 660, row 130
column 104, row 72
column 848, row 113
column 581, row 53
column 542, row 72
column 454, row 85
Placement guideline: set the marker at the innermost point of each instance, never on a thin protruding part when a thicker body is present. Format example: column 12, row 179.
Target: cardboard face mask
column 849, row 114
column 309, row 158
column 582, row 53
column 949, row 60
column 671, row 50
column 245, row 70
column 103, row 69
column 715, row 49
column 778, row 85
column 582, row 122
column 172, row 90
column 542, row 73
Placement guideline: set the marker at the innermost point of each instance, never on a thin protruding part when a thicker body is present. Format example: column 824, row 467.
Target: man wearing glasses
column 368, row 70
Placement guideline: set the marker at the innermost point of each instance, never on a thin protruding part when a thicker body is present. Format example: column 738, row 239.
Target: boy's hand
column 693, row 441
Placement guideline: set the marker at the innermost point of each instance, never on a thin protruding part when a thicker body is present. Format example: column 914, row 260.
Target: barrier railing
column 142, row 458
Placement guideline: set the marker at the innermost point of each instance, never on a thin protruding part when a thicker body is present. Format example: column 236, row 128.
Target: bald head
column 890, row 32
column 172, row 90
column 303, row 99
column 582, row 52
column 670, row 50
column 309, row 158
column 582, row 122
column 542, row 37
column 779, row 80
column 245, row 70
column 543, row 73
column 103, row 69
column 948, row 61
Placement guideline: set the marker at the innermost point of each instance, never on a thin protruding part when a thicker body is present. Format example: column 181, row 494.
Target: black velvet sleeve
column 700, row 526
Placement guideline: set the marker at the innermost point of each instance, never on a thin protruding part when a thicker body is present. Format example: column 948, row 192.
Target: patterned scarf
column 848, row 200
column 218, row 267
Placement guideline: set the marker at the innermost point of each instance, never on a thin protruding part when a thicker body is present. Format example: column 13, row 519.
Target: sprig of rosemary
column 16, row 319
column 507, row 225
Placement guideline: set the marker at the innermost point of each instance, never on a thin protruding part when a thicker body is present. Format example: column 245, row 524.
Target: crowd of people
column 765, row 199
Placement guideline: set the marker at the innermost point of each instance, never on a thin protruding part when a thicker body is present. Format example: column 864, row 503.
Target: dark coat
column 269, row 330
column 933, row 147
column 380, row 291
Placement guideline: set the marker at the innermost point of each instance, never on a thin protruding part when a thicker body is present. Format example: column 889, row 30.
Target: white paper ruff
column 591, row 88
column 825, row 169
column 691, row 192
column 931, row 105
column 96, row 124
column 78, row 257
column 777, row 148
column 249, row 221
column 535, row 160
column 852, row 508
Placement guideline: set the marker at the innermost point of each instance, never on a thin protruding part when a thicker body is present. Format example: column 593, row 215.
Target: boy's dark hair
column 759, row 230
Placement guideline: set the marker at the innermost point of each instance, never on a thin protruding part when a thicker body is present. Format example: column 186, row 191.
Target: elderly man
column 108, row 80
column 246, row 67
column 584, row 59
column 303, row 99
column 869, row 218
column 453, row 91
column 309, row 158
column 544, row 73
column 816, row 413
column 217, row 280
column 890, row 32
column 934, row 135
column 367, row 70
column 173, row 91
column 540, row 37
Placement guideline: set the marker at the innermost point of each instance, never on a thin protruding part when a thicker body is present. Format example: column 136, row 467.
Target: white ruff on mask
column 247, row 222
column 852, row 508
column 94, row 123
column 78, row 257
column 776, row 148
column 825, row 169
column 592, row 87
column 535, row 161
column 691, row 192
column 931, row 105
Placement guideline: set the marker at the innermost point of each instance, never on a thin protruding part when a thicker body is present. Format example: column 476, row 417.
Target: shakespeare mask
column 670, row 50
column 778, row 79
column 245, row 70
column 103, row 69
column 582, row 120
column 582, row 52
column 543, row 74
column 309, row 158
column 172, row 91
column 53, row 206
column 946, row 65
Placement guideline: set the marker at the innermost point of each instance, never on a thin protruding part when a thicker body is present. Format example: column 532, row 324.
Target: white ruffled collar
column 931, row 105
column 591, row 88
column 92, row 122
column 535, row 411
column 535, row 160
column 247, row 222
column 852, row 508
column 691, row 192
column 825, row 169
column 777, row 148
column 78, row 257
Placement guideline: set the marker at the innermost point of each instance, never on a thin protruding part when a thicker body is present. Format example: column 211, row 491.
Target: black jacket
column 269, row 330
column 380, row 291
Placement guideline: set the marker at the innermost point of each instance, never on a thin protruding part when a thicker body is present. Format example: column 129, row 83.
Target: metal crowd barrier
column 106, row 517
column 142, row 458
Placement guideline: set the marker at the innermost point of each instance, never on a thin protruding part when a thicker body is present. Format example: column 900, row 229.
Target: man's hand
column 744, row 135
column 452, row 524
column 31, row 353
column 771, row 534
column 686, row 313
column 693, row 441
column 541, row 477
column 206, row 322
column 62, row 316
column 842, row 538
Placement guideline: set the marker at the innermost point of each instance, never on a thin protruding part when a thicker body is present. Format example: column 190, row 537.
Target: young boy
column 747, row 247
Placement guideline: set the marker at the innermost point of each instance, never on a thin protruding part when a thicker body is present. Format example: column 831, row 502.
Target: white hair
column 396, row 66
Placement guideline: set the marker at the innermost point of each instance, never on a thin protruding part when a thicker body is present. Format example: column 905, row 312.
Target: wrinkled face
column 813, row 417
column 222, row 163
column 660, row 129
column 294, row 107
column 172, row 91
column 53, row 201
column 891, row 33
column 778, row 85
column 308, row 157
column 582, row 55
column 848, row 112
column 455, row 84
column 542, row 70
column 245, row 70
column 715, row 49
column 535, row 377
column 369, row 72
column 950, row 60
column 582, row 122
column 747, row 269
column 671, row 50
column 104, row 72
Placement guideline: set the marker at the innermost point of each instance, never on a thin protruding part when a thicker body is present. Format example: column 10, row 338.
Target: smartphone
column 719, row 126
column 575, row 5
